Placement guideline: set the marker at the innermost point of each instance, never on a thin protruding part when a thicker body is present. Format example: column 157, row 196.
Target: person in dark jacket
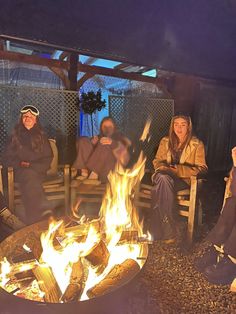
column 218, row 263
column 97, row 156
column 29, row 153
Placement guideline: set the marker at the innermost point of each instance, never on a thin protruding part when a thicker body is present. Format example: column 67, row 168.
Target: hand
column 106, row 141
column 24, row 164
column 163, row 168
column 234, row 156
column 173, row 168
column 94, row 140
column 169, row 168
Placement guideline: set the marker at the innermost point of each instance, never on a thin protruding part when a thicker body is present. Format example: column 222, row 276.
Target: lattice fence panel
column 58, row 114
column 131, row 113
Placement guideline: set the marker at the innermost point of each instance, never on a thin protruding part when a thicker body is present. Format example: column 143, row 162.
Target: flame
column 117, row 214
column 146, row 130
column 5, row 271
column 117, row 208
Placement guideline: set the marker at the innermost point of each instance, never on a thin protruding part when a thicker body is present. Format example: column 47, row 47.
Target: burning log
column 74, row 289
column 118, row 275
column 131, row 237
column 23, row 266
column 128, row 236
column 82, row 229
column 44, row 275
column 35, row 247
column 47, row 284
column 99, row 256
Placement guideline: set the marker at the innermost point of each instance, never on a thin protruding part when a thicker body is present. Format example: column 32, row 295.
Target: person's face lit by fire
column 29, row 120
column 180, row 128
column 108, row 128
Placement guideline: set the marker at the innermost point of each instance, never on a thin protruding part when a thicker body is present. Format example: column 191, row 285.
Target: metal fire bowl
column 106, row 304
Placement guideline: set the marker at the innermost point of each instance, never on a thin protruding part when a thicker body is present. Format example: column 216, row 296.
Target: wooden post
column 72, row 86
column 72, row 73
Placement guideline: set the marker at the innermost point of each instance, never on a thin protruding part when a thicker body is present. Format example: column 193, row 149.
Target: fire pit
column 84, row 262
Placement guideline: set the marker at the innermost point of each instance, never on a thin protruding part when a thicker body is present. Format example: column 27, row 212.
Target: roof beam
column 20, row 57
column 121, row 66
column 116, row 73
column 92, row 69
column 83, row 79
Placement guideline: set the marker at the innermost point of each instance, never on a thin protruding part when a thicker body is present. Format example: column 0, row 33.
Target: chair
column 186, row 198
column 89, row 194
column 56, row 184
column 1, row 183
column 227, row 193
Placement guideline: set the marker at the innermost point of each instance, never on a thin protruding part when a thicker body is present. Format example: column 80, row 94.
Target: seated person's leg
column 32, row 193
column 162, row 221
column 84, row 148
column 8, row 221
column 224, row 272
column 101, row 162
column 217, row 264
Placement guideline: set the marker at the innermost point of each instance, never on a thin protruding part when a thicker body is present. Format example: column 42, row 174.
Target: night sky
column 196, row 37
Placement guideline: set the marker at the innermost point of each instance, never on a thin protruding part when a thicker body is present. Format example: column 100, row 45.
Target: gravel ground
column 169, row 282
column 174, row 286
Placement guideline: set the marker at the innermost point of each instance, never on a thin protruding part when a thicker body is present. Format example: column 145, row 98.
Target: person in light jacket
column 179, row 156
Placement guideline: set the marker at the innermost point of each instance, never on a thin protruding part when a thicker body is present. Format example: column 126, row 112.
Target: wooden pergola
column 67, row 67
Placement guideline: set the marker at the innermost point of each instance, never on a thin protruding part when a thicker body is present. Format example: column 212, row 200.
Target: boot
column 11, row 220
column 209, row 258
column 222, row 273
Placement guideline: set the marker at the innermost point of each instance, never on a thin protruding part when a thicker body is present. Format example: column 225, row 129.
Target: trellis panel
column 58, row 114
column 131, row 113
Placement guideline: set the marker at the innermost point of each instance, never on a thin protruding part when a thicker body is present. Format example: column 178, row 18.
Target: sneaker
column 209, row 258
column 222, row 273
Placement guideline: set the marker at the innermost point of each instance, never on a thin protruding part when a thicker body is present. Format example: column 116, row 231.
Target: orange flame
column 117, row 213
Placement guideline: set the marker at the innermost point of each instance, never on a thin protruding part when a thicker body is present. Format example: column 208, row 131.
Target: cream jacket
column 192, row 160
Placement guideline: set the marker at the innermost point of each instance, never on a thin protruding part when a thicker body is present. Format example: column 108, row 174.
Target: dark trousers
column 162, row 222
column 97, row 158
column 32, row 194
column 224, row 232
